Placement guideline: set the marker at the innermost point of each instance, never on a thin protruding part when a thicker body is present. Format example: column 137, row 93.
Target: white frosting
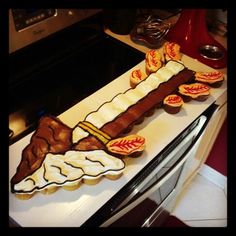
column 78, row 134
column 144, row 88
column 154, row 81
column 175, row 67
column 134, row 95
column 97, row 119
column 62, row 170
column 122, row 101
column 164, row 73
column 109, row 111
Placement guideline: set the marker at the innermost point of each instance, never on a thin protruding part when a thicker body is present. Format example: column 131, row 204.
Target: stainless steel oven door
column 158, row 190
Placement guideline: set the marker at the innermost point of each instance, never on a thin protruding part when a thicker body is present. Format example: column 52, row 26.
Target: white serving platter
column 72, row 208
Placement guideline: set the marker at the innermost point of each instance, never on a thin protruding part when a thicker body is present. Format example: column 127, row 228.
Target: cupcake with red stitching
column 136, row 77
column 172, row 103
column 196, row 91
column 171, row 51
column 153, row 61
column 214, row 78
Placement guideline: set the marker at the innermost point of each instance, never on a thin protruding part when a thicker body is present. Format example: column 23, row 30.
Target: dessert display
column 171, row 51
column 97, row 147
column 214, row 78
column 172, row 103
column 154, row 61
column 136, row 77
column 197, row 91
column 60, row 156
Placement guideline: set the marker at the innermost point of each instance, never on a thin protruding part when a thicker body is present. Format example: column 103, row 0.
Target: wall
column 217, row 158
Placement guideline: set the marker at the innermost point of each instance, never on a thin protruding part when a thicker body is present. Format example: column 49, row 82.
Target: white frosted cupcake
column 72, row 186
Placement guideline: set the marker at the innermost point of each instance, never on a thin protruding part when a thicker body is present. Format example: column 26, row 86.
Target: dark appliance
column 56, row 72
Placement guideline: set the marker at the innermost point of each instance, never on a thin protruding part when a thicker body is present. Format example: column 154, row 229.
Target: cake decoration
column 136, row 77
column 59, row 169
column 213, row 78
column 196, row 91
column 172, row 103
column 87, row 126
column 153, row 61
column 171, row 51
column 126, row 145
column 99, row 140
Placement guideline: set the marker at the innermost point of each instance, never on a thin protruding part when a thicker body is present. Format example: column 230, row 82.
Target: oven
column 150, row 197
column 50, row 74
column 65, row 65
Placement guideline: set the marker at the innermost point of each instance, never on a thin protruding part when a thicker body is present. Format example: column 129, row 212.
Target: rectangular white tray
column 73, row 208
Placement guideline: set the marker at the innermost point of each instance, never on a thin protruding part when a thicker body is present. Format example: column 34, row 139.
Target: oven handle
column 157, row 185
column 193, row 135
column 123, row 208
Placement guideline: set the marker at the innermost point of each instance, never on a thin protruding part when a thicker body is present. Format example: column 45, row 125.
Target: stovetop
column 54, row 74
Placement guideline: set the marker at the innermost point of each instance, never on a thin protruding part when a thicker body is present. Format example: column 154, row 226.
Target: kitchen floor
column 203, row 203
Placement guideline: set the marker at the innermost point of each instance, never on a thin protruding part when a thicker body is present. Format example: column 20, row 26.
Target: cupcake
column 196, row 91
column 136, row 77
column 214, row 79
column 113, row 177
column 24, row 196
column 153, row 61
column 49, row 190
column 72, row 186
column 132, row 145
column 92, row 181
column 171, row 51
column 172, row 103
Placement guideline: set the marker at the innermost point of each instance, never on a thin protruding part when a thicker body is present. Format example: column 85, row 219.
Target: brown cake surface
column 51, row 136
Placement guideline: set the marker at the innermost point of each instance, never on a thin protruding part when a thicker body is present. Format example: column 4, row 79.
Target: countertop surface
column 73, row 208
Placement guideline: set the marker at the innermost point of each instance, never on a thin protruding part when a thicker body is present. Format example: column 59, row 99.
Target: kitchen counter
column 73, row 208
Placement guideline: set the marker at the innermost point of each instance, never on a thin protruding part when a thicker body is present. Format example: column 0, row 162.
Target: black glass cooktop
column 60, row 71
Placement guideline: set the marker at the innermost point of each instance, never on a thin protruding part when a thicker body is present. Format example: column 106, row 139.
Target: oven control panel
column 27, row 17
column 27, row 26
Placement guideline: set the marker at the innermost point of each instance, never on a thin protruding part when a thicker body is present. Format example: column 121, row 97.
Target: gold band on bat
column 93, row 130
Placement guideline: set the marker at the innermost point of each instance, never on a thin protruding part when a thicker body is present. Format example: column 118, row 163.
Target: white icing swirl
column 62, row 170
